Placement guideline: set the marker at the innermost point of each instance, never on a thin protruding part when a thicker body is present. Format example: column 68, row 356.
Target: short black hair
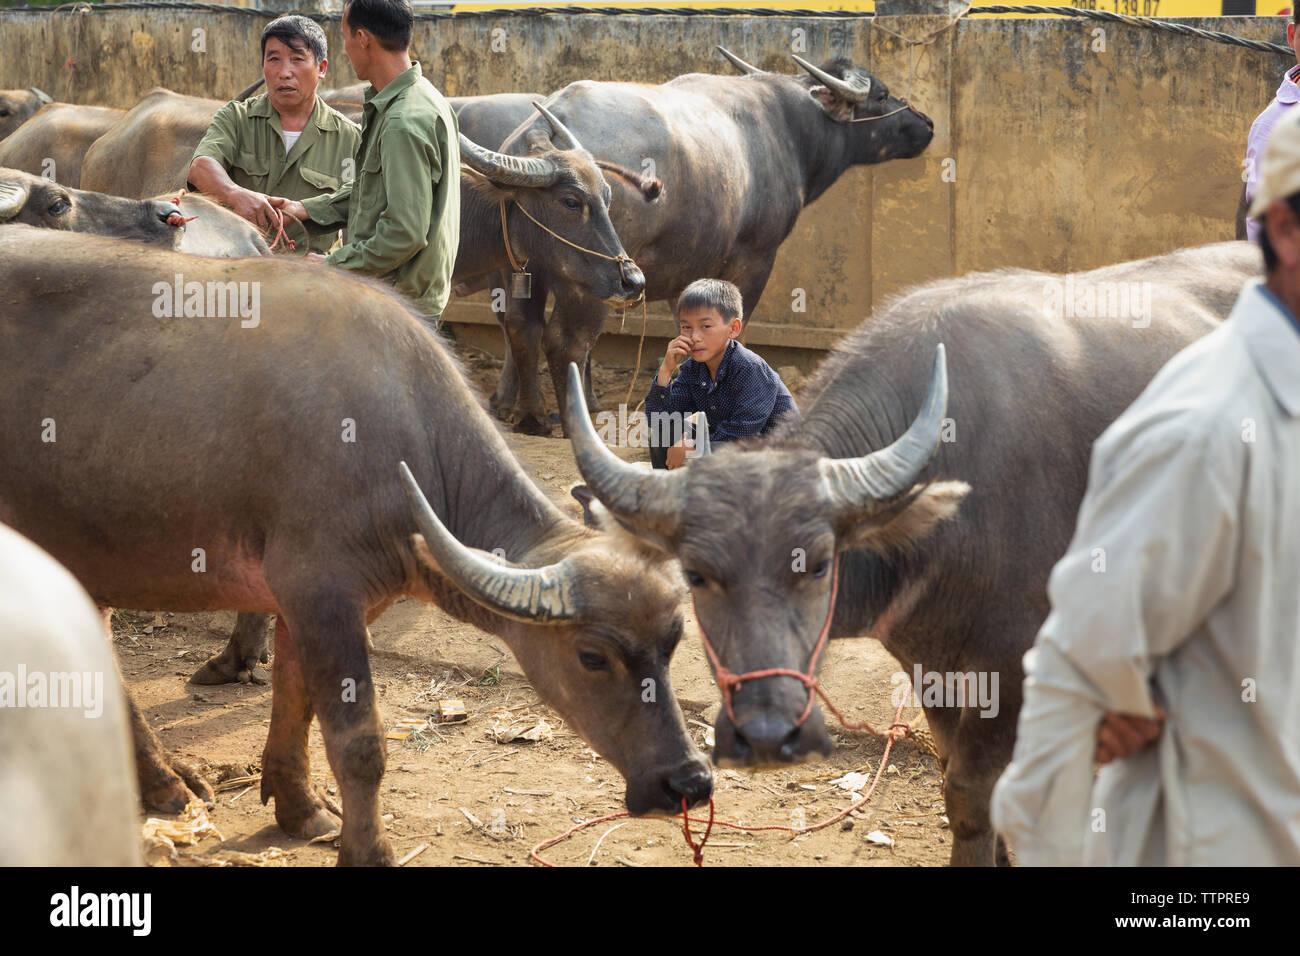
column 391, row 21
column 297, row 33
column 716, row 294
column 1266, row 247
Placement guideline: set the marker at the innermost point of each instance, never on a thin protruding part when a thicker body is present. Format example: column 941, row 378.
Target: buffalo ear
column 836, row 107
column 493, row 192
column 905, row 524
column 650, row 546
column 539, row 141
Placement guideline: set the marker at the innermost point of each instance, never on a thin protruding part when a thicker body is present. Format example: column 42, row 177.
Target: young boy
column 736, row 390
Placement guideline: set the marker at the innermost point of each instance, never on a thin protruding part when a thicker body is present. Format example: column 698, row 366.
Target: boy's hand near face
column 679, row 349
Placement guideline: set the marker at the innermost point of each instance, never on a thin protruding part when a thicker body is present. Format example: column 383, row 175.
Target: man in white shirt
column 1193, row 504
column 1288, row 94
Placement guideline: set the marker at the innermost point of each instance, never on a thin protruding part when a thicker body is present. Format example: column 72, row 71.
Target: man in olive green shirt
column 403, row 208
column 286, row 142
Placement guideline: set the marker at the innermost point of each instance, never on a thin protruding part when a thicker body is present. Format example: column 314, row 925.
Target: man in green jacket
column 287, row 142
column 403, row 208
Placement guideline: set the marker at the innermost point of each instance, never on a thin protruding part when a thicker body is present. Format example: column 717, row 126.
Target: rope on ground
column 697, row 849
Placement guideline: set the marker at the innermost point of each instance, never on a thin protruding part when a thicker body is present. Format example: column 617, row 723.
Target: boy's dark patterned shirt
column 746, row 398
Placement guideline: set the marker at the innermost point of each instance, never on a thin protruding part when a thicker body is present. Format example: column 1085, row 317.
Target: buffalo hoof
column 532, row 425
column 172, row 786
column 380, row 854
column 307, row 815
column 219, row 671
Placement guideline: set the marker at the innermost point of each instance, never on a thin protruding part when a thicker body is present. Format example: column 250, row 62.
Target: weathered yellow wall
column 1064, row 158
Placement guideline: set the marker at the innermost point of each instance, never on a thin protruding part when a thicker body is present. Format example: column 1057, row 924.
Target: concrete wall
column 1050, row 152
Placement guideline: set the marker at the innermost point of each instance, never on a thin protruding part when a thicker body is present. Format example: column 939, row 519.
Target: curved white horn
column 645, row 499
column 738, row 63
column 857, row 486
column 13, row 196
column 561, row 135
column 533, row 595
column 850, row 92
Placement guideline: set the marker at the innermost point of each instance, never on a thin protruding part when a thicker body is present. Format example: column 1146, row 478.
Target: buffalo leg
column 575, row 324
column 238, row 662
column 167, row 783
column 970, row 773
column 329, row 641
column 503, row 399
column 286, row 764
column 589, row 384
column 524, row 327
column 751, row 286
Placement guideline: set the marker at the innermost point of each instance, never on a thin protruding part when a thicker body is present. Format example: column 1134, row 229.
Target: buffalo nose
column 633, row 280
column 165, row 210
column 693, row 783
column 770, row 739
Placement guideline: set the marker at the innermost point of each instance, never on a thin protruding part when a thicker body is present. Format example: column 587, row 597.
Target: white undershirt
column 290, row 139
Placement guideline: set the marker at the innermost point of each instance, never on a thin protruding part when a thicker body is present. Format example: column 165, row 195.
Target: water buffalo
column 16, row 106
column 489, row 120
column 67, row 789
column 214, row 231
column 740, row 156
column 342, row 379
column 559, row 186
column 944, row 555
column 55, row 140
column 148, row 150
column 348, row 100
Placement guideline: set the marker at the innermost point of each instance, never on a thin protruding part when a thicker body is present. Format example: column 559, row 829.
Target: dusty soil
column 539, row 788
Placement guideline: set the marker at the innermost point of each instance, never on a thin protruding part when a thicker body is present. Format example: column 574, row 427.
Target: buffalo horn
column 644, row 499
column 506, row 170
column 41, row 95
column 532, row 595
column 561, row 135
column 248, row 91
column 850, row 92
column 12, row 198
column 738, row 63
column 859, row 486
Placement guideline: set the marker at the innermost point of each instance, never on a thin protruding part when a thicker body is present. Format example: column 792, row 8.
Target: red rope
column 279, row 230
column 698, row 849
column 729, row 683
column 176, row 219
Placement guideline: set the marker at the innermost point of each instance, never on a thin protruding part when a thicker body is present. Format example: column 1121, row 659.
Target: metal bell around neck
column 521, row 285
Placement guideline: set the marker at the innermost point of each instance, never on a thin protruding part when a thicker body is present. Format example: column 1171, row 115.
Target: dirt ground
column 524, row 792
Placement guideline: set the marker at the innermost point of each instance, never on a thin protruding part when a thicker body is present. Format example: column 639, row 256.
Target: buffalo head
column 882, row 127
column 36, row 201
column 879, row 127
column 557, row 210
column 594, row 631
column 760, row 531
column 17, row 106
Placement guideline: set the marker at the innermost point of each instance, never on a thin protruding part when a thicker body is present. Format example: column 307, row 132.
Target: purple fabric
column 1288, row 94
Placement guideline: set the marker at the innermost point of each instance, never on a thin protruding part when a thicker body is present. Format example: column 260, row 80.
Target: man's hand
column 679, row 349
column 253, row 206
column 1123, row 735
column 677, row 453
column 290, row 207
